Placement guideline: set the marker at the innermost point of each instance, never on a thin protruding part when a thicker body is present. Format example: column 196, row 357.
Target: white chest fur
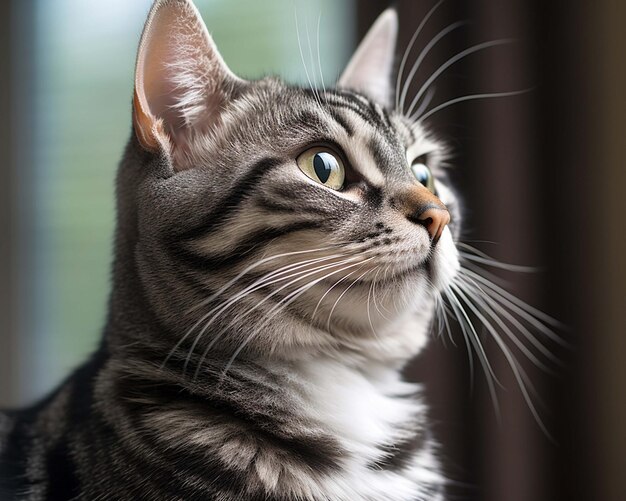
column 365, row 411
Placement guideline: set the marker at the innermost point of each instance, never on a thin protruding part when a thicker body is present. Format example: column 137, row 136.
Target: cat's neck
column 364, row 406
column 325, row 427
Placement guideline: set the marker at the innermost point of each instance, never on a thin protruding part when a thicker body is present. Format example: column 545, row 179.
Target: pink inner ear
column 181, row 80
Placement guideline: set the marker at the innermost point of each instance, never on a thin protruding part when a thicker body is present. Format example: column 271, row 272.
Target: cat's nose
column 421, row 206
column 434, row 219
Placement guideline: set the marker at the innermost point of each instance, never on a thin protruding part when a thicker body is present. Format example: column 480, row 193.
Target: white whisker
column 252, row 267
column 279, row 307
column 407, row 51
column 374, row 296
column 471, row 97
column 266, row 298
column 422, row 55
column 480, row 257
column 254, row 286
column 474, row 340
column 529, row 313
column 492, row 310
column 319, row 57
column 306, row 71
column 345, row 277
column 426, row 102
column 369, row 315
column 496, row 307
column 446, row 312
column 312, row 62
column 481, row 350
column 332, row 310
column 447, row 64
column 518, row 371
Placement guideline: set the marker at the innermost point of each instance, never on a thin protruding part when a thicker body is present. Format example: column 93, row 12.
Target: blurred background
column 541, row 174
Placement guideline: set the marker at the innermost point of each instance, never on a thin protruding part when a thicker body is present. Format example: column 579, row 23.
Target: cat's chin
column 444, row 264
column 439, row 268
column 407, row 332
column 394, row 343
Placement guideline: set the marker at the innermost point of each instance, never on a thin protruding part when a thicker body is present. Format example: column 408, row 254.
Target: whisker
column 498, row 308
column 531, row 314
column 426, row 102
column 262, row 284
column 273, row 274
column 446, row 312
column 471, row 97
column 319, row 57
column 332, row 310
column 439, row 313
column 450, row 62
column 374, row 295
column 492, row 277
column 407, row 51
column 252, row 267
column 276, row 309
column 264, row 281
column 480, row 257
column 464, row 321
column 481, row 350
column 345, row 277
column 266, row 298
column 306, row 71
column 492, row 310
column 519, row 373
column 423, row 54
column 312, row 61
column 369, row 316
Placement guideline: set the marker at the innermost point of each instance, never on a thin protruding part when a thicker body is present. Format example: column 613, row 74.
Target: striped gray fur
column 258, row 321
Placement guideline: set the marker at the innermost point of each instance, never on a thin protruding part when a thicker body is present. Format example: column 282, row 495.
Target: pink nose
column 434, row 219
column 421, row 206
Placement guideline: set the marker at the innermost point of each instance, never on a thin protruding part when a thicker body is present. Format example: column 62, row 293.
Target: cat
column 279, row 255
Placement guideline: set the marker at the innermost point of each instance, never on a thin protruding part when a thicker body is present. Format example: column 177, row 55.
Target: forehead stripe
column 337, row 117
column 367, row 118
column 364, row 109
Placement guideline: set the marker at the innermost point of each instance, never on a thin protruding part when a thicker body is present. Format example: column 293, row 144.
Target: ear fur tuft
column 181, row 80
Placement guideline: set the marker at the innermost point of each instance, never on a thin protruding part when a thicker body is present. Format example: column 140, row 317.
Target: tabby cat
column 279, row 255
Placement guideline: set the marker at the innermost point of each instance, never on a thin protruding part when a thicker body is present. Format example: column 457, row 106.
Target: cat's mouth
column 438, row 265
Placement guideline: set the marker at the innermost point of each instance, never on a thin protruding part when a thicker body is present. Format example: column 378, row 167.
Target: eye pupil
column 323, row 164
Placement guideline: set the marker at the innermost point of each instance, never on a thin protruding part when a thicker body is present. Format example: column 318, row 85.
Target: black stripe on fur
column 234, row 256
column 231, row 201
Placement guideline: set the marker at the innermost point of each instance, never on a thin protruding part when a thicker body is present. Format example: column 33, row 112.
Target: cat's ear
column 370, row 69
column 181, row 80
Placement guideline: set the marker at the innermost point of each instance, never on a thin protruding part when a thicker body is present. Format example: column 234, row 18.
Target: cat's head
column 279, row 220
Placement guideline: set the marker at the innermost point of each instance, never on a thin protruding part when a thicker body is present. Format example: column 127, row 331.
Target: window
column 84, row 56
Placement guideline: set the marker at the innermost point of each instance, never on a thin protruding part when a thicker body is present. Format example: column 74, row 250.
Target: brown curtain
column 542, row 176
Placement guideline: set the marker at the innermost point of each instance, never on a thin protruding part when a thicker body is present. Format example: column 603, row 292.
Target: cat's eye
column 323, row 165
column 423, row 174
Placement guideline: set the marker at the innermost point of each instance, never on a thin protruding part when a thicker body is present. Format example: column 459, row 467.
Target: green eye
column 423, row 175
column 324, row 166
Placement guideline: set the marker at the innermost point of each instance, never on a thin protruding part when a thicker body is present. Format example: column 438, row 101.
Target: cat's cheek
column 445, row 261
